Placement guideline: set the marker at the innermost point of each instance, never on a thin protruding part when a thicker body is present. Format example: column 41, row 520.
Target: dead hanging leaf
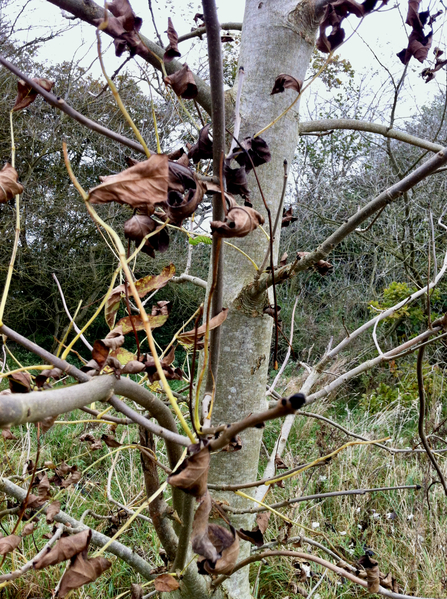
column 183, row 83
column 234, row 445
column 192, row 474
column 122, row 10
column 162, row 307
column 253, row 150
column 47, row 423
column 141, row 225
column 418, row 43
column 20, row 382
column 322, row 266
column 181, row 206
column 169, row 372
column 256, row 536
column 372, row 573
column 110, row 441
column 187, row 338
column 239, row 222
column 133, row 367
column 283, row 82
column 65, row 548
column 26, row 94
column 153, row 282
column 287, row 217
column 8, row 436
column 95, row 444
column 172, row 50
column 429, row 74
column 73, row 478
column 9, row 183
column 52, row 510
column 141, row 186
column 114, row 339
column 236, row 180
column 203, row 148
column 166, row 583
column 280, row 464
column 28, row 529
column 100, row 353
column 43, row 489
column 283, row 259
column 154, row 321
column 228, row 544
column 9, row 543
column 200, row 541
column 82, row 571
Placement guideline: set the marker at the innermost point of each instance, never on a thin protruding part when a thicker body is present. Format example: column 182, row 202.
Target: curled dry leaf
column 114, row 339
column 9, row 543
column 253, row 150
column 136, row 591
column 181, row 206
column 322, row 266
column 187, row 338
column 165, row 583
column 203, row 148
column 26, row 94
column 82, row 571
column 9, row 183
column 133, row 367
column 183, row 83
column 283, row 82
column 170, row 372
column 154, row 321
column 256, row 536
column 47, row 423
column 100, row 353
column 8, row 435
column 28, row 529
column 287, row 217
column 64, row 549
column 172, row 50
column 20, row 382
column 192, row 474
column 236, row 180
column 418, row 43
column 110, row 441
column 239, row 222
column 141, row 186
column 140, row 225
column 372, row 573
column 52, row 510
column 122, row 10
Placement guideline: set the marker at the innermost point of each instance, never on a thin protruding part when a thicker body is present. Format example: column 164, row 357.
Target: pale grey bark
column 277, row 37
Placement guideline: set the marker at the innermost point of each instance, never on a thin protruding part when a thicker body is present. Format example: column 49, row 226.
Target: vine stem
column 17, row 231
column 124, row 265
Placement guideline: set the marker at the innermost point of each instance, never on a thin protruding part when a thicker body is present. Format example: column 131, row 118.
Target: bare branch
column 202, row 30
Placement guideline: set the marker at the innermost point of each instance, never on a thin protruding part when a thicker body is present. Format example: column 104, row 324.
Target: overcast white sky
column 370, row 49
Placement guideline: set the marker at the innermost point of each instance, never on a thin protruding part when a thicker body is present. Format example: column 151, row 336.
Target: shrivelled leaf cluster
column 335, row 13
column 124, row 26
column 418, row 42
column 430, row 73
column 9, row 183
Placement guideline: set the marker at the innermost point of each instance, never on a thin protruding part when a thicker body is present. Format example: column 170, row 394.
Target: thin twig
column 75, row 326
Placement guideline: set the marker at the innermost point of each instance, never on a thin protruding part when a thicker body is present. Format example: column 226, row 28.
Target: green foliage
column 200, row 239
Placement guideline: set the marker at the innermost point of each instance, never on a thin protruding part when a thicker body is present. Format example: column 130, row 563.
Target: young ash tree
column 211, row 429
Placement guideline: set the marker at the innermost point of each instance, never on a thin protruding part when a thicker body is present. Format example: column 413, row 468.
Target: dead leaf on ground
column 141, row 186
column 183, row 83
column 8, row 435
column 26, row 94
column 165, row 583
column 192, row 474
column 136, row 591
column 9, row 183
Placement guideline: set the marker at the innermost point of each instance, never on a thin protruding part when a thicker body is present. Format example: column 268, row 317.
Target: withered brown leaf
column 187, row 338
column 239, row 222
column 172, row 50
column 64, row 549
column 8, row 435
column 183, row 83
column 372, row 573
column 192, row 474
column 203, row 148
column 283, row 82
column 141, row 186
column 26, row 94
column 114, row 339
column 100, row 352
column 165, row 583
column 82, row 571
column 253, row 150
column 110, row 441
column 122, row 10
column 28, row 529
column 9, row 183
column 9, row 543
column 20, row 382
column 52, row 510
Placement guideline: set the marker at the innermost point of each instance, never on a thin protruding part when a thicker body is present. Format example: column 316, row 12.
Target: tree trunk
column 278, row 37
